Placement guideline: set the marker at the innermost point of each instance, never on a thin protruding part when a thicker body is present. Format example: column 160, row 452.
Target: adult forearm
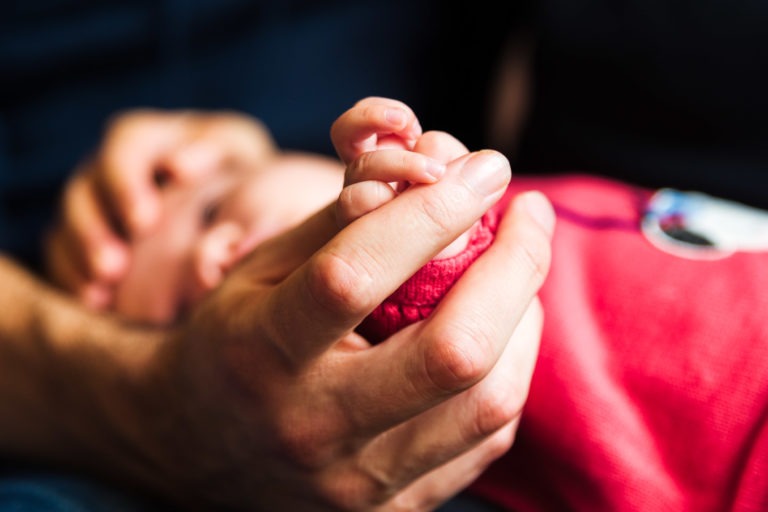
column 71, row 382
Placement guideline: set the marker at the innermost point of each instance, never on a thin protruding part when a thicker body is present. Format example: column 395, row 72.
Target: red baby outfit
column 651, row 388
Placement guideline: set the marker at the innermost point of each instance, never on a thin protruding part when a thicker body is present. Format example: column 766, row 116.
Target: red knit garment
column 651, row 388
column 418, row 296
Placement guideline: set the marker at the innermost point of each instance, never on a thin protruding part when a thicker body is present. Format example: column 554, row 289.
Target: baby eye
column 210, row 212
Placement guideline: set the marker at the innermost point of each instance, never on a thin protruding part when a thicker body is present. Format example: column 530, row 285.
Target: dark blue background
column 656, row 92
column 67, row 65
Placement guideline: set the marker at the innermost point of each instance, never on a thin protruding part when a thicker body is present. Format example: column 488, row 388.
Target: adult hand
column 281, row 406
column 113, row 196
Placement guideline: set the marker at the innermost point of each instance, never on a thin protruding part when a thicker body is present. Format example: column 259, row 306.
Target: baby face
column 208, row 227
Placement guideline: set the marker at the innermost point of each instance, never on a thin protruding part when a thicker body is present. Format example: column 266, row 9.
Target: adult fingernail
column 486, row 172
column 539, row 208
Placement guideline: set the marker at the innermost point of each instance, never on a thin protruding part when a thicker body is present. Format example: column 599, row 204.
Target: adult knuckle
column 357, row 490
column 305, row 442
column 440, row 214
column 499, row 444
column 301, row 450
column 535, row 254
column 345, row 206
column 451, row 364
column 338, row 286
column 496, row 408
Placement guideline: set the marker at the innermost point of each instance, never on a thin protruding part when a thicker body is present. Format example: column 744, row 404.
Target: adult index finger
column 346, row 279
column 461, row 342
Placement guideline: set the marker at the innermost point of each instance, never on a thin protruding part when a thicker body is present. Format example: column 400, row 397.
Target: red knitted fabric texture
column 651, row 390
column 418, row 296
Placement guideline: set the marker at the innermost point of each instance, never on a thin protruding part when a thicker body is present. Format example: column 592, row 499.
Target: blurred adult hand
column 113, row 196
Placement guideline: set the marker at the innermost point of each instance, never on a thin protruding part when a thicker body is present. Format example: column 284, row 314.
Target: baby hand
column 383, row 157
column 375, row 140
column 374, row 123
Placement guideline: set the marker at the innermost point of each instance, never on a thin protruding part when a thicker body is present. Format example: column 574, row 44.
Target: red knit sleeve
column 418, row 296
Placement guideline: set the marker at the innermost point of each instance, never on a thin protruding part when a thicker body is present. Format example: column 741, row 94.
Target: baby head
column 208, row 227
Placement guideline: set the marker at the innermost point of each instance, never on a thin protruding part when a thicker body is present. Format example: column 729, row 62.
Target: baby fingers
column 360, row 198
column 393, row 165
column 374, row 123
column 375, row 178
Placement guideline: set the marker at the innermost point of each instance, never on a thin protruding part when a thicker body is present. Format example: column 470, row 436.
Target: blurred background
column 657, row 92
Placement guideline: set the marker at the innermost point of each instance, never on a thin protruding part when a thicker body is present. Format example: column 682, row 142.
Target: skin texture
column 265, row 398
column 209, row 225
column 208, row 228
column 112, row 198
